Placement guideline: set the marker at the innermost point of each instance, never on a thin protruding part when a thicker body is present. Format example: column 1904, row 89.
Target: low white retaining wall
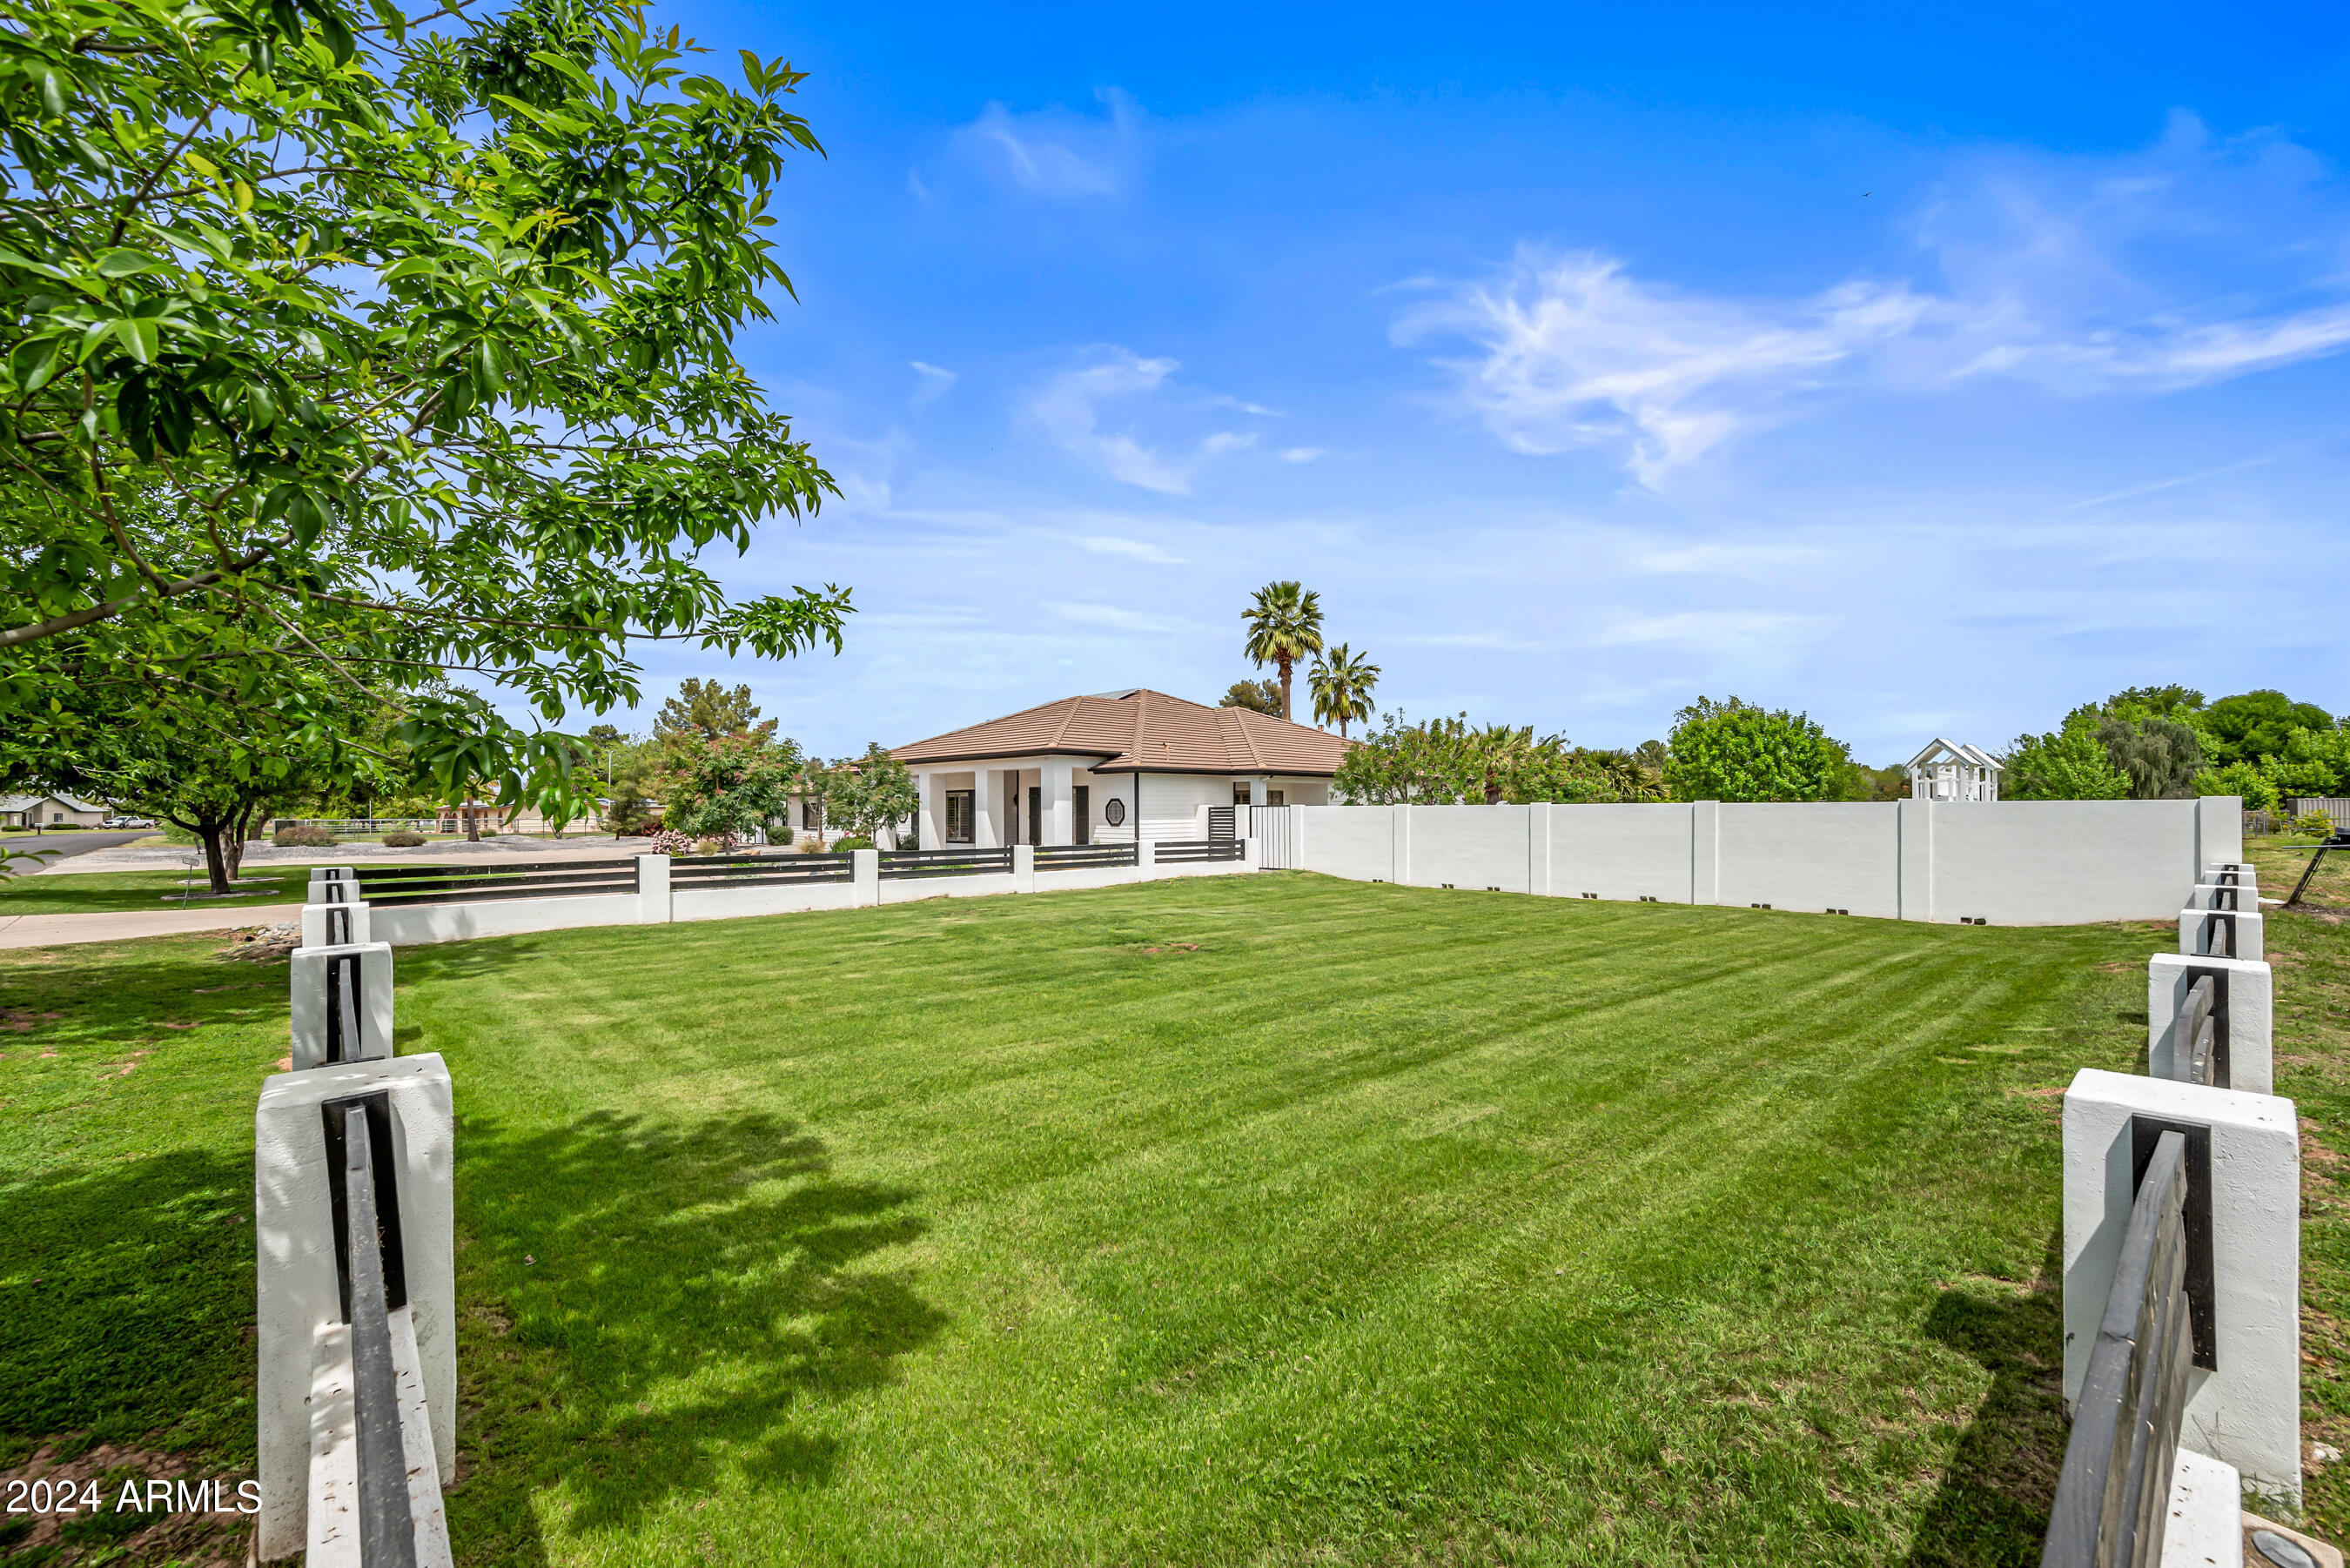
column 2007, row 863
column 660, row 901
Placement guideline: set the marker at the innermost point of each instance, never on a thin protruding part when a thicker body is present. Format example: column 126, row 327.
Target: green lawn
column 102, row 892
column 1387, row 1226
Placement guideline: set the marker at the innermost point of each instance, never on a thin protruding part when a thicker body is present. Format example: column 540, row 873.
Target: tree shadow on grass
column 126, row 1290
column 697, row 1297
column 1992, row 1506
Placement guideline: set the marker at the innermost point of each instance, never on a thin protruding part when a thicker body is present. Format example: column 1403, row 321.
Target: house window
column 1240, row 795
column 960, row 815
column 1272, row 797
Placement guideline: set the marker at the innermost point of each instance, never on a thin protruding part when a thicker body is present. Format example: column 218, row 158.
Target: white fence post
column 2202, row 931
column 652, row 890
column 1023, row 869
column 2244, row 1222
column 335, row 924
column 866, row 865
column 1705, row 852
column 297, row 1284
column 2250, row 1015
column 342, row 995
column 1252, row 853
column 1146, row 857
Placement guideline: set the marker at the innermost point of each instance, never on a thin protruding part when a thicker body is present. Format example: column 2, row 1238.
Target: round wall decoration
column 1115, row 813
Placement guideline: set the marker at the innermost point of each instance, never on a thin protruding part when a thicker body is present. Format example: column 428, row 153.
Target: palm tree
column 1341, row 682
column 1284, row 625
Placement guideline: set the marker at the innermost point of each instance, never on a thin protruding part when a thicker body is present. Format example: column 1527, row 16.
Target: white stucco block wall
column 1812, row 856
column 2247, row 1412
column 710, row 901
column 419, row 923
column 2112, row 861
column 1472, row 847
column 1627, row 852
column 2251, row 1019
column 1350, row 841
column 296, row 1282
column 371, row 993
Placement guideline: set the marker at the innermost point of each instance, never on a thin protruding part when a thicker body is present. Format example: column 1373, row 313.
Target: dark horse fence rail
column 706, row 871
column 1190, row 851
column 373, row 1287
column 1085, row 857
column 2202, row 1027
column 395, row 887
column 2113, row 1495
column 2215, row 934
column 945, row 863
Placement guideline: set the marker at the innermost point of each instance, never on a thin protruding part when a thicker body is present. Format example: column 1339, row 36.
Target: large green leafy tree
column 367, row 348
column 706, row 708
column 870, row 793
column 2256, row 725
column 727, row 785
column 1738, row 751
column 1284, row 625
column 1256, row 696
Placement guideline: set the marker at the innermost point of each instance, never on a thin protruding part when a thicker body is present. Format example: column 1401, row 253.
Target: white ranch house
column 50, row 811
column 1108, row 768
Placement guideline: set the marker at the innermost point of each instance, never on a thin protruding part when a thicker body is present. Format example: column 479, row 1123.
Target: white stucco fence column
column 865, row 876
column 1146, row 858
column 335, row 924
column 2214, row 896
column 653, row 905
column 1252, row 853
column 2198, row 932
column 2247, row 1411
column 1024, row 868
column 2250, row 1014
column 297, row 1284
column 314, row 972
column 1705, row 852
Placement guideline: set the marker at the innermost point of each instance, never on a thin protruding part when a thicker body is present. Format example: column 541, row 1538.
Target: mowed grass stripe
column 1234, row 1262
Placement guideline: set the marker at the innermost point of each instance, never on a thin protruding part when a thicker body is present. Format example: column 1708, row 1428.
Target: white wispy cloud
column 1069, row 410
column 1057, row 156
column 1300, row 453
column 2083, row 276
column 1111, row 545
column 1117, row 619
column 931, row 383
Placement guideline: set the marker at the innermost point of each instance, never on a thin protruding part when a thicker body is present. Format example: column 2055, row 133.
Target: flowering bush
column 668, row 841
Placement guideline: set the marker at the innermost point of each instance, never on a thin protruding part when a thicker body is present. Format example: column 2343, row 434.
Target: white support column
column 335, row 925
column 1256, row 791
column 1252, row 853
column 2246, row 1412
column 1059, row 779
column 1705, row 852
column 296, row 1284
column 1024, row 868
column 927, row 834
column 317, row 973
column 2198, row 927
column 986, row 791
column 653, row 905
column 1914, row 831
column 865, row 876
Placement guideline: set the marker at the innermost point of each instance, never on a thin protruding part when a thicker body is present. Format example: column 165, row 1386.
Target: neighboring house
column 1947, row 770
column 50, row 811
column 1099, row 768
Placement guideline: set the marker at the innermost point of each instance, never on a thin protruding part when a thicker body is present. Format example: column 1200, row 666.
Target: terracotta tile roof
column 1142, row 731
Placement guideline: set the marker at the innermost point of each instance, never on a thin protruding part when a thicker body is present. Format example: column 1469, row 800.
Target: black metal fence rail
column 387, row 1523
column 2113, row 1496
column 944, row 863
column 397, row 885
column 707, row 871
column 1182, row 851
column 2200, row 1030
column 1084, row 856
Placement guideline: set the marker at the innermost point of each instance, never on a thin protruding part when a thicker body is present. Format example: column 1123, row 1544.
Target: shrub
column 808, row 844
column 717, row 844
column 2316, row 824
column 303, row 839
column 403, row 840
column 855, row 841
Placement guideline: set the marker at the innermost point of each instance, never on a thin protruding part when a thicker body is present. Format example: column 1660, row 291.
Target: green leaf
column 127, row 262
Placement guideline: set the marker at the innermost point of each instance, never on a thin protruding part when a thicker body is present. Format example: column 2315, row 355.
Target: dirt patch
column 115, row 1503
column 21, row 1021
column 1171, row 947
column 263, row 944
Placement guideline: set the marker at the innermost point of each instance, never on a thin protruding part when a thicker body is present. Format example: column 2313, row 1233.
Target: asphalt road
column 53, row 848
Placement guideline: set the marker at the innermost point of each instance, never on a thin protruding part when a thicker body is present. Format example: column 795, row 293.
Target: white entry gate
column 1268, row 825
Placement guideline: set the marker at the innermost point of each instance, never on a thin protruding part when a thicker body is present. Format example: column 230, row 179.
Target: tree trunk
column 218, row 870
column 1284, row 690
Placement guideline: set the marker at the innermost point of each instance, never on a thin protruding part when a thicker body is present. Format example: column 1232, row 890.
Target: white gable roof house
column 50, row 811
column 1946, row 770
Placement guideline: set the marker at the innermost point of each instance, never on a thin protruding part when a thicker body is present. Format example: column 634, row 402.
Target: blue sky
column 1931, row 374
